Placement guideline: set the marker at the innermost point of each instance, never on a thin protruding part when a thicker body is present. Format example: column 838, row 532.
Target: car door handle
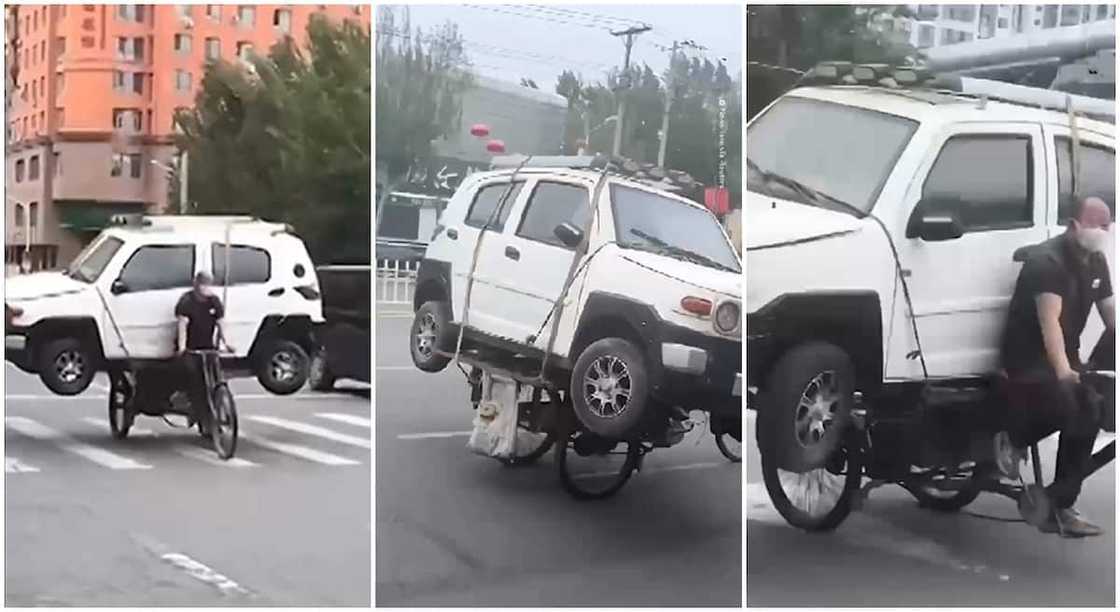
column 452, row 233
column 276, row 292
column 513, row 253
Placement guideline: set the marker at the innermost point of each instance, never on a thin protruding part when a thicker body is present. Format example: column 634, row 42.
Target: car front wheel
column 610, row 387
column 66, row 366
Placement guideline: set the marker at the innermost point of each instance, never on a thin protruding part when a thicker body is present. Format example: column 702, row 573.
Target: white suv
column 882, row 227
column 631, row 291
column 115, row 302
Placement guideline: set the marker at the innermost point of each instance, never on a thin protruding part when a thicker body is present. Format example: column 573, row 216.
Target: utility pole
column 629, row 33
column 669, row 86
column 183, row 208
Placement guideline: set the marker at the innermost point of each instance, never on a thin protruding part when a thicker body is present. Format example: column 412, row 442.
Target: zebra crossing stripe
column 349, row 419
column 100, row 456
column 295, row 450
column 313, row 430
column 135, row 431
column 13, row 465
column 208, row 456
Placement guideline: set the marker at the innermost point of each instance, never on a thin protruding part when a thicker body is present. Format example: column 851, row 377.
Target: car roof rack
column 920, row 78
column 646, row 173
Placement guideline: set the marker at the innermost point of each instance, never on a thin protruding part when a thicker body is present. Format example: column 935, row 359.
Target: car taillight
column 697, row 306
column 308, row 292
column 11, row 312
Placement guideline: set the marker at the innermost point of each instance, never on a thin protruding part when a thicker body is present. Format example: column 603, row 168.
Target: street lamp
column 181, row 174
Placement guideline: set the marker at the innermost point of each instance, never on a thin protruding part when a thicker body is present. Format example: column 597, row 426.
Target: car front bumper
column 16, row 349
column 700, row 371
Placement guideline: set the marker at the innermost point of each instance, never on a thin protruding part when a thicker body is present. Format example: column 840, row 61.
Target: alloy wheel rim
column 426, row 335
column 283, row 366
column 817, row 409
column 69, row 366
column 607, row 387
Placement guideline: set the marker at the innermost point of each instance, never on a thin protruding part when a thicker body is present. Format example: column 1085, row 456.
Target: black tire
column 581, row 488
column 66, row 365
column 726, row 450
column 533, row 456
column 945, row 501
column 319, row 377
column 598, row 408
column 429, row 334
column 121, row 414
column 283, row 367
column 223, row 421
column 823, row 448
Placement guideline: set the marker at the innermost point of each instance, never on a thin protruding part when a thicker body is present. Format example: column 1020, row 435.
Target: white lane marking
column 135, row 431
column 100, row 456
column 208, row 456
column 12, row 465
column 200, row 571
column 237, row 396
column 656, row 470
column 349, row 419
column 302, row 452
column 100, row 386
column 399, row 369
column 313, row 430
column 395, row 315
column 433, row 434
column 14, row 397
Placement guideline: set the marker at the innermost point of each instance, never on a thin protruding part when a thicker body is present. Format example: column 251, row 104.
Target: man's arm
column 1049, row 307
column 181, row 336
column 220, row 324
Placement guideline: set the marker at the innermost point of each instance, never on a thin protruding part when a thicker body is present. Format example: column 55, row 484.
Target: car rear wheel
column 283, row 367
column 430, row 335
column 66, row 366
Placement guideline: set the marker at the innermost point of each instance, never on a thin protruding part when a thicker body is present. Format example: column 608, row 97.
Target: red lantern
column 496, row 146
column 480, row 130
column 718, row 200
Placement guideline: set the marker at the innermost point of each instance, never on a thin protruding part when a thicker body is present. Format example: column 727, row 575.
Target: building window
column 213, row 48
column 33, row 215
column 58, row 164
column 962, row 12
column 183, row 9
column 118, row 80
column 138, row 83
column 43, row 51
column 126, row 164
column 1050, row 16
column 131, row 12
column 214, row 12
column 21, row 165
column 183, row 43
column 33, row 168
column 88, row 42
column 1102, row 12
column 130, row 49
column 60, row 116
column 926, row 36
column 246, row 16
column 127, row 119
column 182, row 80
column 60, row 42
column 282, row 20
column 244, row 49
column 1071, row 14
column 21, row 220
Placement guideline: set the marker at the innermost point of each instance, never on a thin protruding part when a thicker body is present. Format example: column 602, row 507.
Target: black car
column 343, row 341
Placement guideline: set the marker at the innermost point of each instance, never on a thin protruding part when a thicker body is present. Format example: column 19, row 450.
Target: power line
column 496, row 51
column 499, row 9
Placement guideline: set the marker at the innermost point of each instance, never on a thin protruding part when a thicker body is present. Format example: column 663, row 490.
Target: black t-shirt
column 1055, row 266
column 202, row 313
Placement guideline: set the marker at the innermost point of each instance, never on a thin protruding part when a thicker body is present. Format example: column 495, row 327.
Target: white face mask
column 1094, row 239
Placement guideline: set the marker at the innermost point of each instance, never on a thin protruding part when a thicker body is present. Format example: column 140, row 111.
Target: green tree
column 420, row 82
column 286, row 138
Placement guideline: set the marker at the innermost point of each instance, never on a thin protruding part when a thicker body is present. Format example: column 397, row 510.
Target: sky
column 511, row 42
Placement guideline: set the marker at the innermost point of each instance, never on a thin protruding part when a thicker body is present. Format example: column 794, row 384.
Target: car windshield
column 824, row 154
column 89, row 264
column 651, row 222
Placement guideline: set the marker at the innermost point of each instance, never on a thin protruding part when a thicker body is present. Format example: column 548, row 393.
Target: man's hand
column 1069, row 375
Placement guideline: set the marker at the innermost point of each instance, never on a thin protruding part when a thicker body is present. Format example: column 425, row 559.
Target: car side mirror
column 118, row 287
column 933, row 226
column 569, row 235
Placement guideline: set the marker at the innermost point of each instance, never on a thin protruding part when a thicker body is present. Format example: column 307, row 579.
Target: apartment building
column 935, row 25
column 91, row 94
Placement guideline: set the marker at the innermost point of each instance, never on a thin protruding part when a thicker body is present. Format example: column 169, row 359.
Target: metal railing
column 396, row 281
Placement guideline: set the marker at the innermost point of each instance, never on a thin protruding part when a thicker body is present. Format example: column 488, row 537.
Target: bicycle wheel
column 526, row 422
column 593, row 467
column 223, row 421
column 730, row 447
column 120, row 409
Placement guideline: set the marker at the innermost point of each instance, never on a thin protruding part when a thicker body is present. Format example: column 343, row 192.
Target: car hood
column 703, row 277
column 773, row 222
column 40, row 285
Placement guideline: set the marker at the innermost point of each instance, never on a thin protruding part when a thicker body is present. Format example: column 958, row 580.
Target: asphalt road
column 893, row 553
column 158, row 520
column 454, row 528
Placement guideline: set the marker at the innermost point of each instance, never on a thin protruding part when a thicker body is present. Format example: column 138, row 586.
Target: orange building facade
column 90, row 98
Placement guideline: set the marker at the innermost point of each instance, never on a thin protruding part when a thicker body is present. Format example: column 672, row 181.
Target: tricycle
column 157, row 389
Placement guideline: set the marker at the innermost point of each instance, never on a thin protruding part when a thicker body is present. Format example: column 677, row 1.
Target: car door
column 530, row 264
column 141, row 298
column 1097, row 177
column 991, row 178
column 485, row 221
column 248, row 295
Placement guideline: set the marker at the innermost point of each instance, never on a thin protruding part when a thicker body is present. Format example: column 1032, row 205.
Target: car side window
column 1097, row 176
column 985, row 179
column 488, row 199
column 161, row 266
column 550, row 205
column 247, row 265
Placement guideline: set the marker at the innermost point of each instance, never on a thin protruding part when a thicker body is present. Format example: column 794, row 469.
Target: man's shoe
column 1007, row 456
column 1072, row 525
column 1050, row 526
